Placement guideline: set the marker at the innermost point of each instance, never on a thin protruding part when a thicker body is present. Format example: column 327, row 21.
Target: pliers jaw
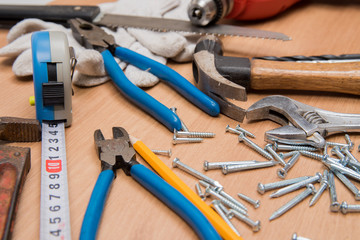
column 117, row 152
column 91, row 36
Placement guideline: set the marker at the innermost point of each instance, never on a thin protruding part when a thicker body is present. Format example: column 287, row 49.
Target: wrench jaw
column 302, row 124
column 294, row 136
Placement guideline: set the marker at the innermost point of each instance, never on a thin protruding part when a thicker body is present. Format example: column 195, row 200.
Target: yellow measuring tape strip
column 169, row 176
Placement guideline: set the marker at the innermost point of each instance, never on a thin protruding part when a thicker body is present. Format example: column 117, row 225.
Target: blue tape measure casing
column 52, row 76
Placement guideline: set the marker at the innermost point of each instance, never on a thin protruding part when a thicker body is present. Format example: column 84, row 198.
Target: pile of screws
column 223, row 203
column 343, row 165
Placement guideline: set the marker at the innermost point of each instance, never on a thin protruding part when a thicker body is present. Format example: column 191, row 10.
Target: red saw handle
column 258, row 9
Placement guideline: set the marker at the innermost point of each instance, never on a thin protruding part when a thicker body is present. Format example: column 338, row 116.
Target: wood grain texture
column 316, row 27
column 331, row 77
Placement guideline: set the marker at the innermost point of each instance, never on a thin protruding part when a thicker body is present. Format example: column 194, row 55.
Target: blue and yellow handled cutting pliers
column 93, row 37
column 118, row 153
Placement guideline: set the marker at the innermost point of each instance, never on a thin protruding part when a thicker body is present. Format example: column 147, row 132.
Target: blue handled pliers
column 93, row 37
column 118, row 153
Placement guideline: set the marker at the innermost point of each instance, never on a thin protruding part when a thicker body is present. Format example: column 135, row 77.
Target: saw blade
column 166, row 25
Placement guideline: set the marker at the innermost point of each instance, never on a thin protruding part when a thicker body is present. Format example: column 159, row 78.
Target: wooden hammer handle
column 342, row 77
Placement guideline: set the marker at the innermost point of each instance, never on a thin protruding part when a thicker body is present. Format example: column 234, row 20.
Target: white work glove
column 90, row 69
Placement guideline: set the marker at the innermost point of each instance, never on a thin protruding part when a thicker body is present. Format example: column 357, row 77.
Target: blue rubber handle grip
column 174, row 79
column 138, row 96
column 96, row 205
column 175, row 201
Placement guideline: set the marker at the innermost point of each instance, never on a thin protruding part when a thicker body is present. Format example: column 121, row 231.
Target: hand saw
column 60, row 14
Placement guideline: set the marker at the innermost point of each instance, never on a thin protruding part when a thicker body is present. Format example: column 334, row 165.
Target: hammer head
column 221, row 77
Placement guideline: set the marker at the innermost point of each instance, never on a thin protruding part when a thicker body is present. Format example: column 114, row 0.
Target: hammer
column 222, row 77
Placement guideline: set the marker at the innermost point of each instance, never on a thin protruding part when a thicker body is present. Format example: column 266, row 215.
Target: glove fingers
column 31, row 25
column 91, row 63
column 122, row 37
column 139, row 77
column 23, row 64
column 186, row 55
column 167, row 44
column 16, row 47
column 82, row 80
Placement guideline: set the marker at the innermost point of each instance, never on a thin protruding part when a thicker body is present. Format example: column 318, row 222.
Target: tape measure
column 52, row 87
column 54, row 211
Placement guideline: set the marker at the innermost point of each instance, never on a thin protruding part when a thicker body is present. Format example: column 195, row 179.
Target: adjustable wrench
column 301, row 124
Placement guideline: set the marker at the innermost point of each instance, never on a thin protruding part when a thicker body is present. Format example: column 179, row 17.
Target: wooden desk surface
column 133, row 213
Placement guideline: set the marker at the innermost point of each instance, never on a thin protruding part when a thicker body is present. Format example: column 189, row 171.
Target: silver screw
column 225, row 195
column 309, row 190
column 227, row 212
column 344, row 170
column 288, row 154
column 324, row 185
column 217, row 208
column 296, row 237
column 193, row 134
column 183, row 126
column 296, row 186
column 255, row 225
column 283, row 147
column 348, row 184
column 255, row 203
column 244, row 131
column 177, row 140
column 251, row 144
column 334, row 205
column 162, row 152
column 232, row 130
column 224, row 200
column 282, row 172
column 177, row 163
column 347, row 208
column 312, row 155
column 346, row 151
column 219, row 165
column 349, row 142
column 277, row 157
column 241, row 167
column 334, row 144
column 199, row 192
column 262, row 188
column 336, row 151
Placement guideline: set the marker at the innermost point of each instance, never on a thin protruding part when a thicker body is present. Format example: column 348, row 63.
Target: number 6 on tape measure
column 52, row 87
